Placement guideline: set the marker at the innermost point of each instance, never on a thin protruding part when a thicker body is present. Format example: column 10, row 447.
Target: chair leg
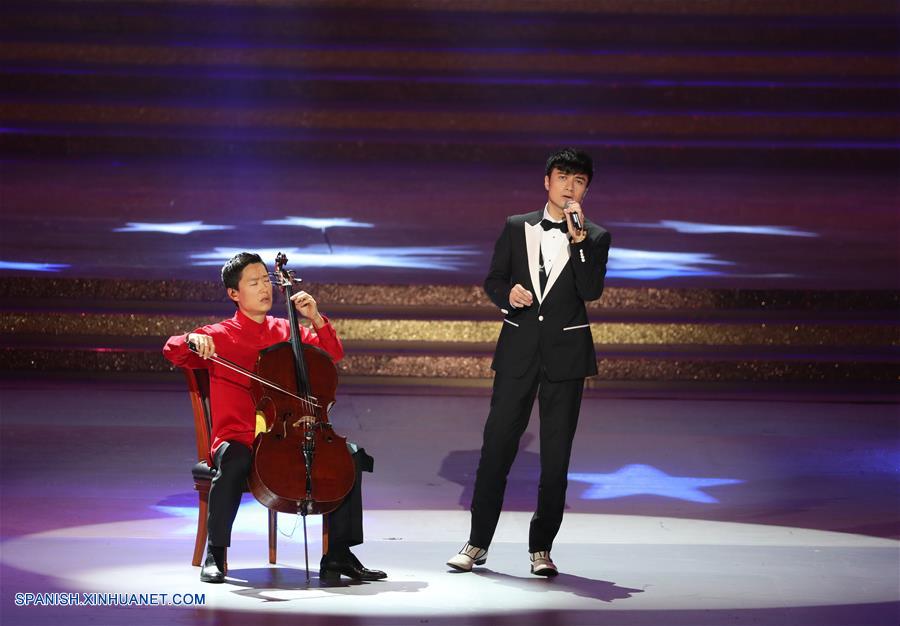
column 273, row 535
column 200, row 541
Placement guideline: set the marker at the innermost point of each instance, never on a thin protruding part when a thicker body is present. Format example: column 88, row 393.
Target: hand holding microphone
column 576, row 221
column 576, row 218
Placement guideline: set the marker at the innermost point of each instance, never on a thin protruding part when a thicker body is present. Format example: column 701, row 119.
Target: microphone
column 576, row 222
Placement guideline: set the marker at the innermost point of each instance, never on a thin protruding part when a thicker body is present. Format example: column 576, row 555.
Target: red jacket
column 240, row 339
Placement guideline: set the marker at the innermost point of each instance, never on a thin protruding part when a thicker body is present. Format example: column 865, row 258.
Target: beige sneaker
column 469, row 555
column 542, row 564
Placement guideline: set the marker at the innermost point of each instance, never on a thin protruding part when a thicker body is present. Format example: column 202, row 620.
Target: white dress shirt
column 552, row 242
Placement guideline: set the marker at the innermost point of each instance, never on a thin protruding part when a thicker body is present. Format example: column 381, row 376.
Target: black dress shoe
column 210, row 572
column 333, row 566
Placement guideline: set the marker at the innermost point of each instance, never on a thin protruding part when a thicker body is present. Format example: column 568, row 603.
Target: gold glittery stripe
column 479, row 332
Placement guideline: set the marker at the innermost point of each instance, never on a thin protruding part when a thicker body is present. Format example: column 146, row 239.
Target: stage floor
column 693, row 512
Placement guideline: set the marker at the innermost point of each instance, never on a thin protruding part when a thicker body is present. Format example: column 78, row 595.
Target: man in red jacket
column 239, row 340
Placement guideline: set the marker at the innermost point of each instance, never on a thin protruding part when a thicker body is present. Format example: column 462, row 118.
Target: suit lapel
column 558, row 264
column 533, row 246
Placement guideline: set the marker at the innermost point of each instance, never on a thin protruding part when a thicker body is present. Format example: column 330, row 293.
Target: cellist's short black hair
column 571, row 161
column 232, row 270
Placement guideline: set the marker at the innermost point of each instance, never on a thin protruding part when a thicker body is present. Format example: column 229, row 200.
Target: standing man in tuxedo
column 546, row 265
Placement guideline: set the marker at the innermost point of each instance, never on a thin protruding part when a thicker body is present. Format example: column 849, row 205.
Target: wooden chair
column 203, row 473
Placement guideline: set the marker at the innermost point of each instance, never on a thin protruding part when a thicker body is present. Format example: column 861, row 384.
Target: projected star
column 173, row 228
column 633, row 480
column 656, row 264
column 701, row 228
column 446, row 258
column 318, row 222
column 32, row 267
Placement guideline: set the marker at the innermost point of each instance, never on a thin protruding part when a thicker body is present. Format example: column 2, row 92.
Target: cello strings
column 310, row 401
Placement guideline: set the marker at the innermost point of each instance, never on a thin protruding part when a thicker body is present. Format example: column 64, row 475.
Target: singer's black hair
column 232, row 270
column 571, row 161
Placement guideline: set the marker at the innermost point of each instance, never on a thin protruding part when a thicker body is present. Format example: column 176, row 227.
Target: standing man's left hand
column 576, row 235
column 307, row 307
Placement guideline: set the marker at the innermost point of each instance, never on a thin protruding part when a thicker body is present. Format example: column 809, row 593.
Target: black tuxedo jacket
column 555, row 327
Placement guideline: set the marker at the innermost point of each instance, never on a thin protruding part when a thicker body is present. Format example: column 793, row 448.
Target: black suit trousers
column 558, row 405
column 233, row 461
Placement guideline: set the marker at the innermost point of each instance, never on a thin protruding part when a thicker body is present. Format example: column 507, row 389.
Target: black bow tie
column 548, row 225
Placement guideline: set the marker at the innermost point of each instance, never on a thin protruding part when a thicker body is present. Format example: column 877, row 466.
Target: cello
column 300, row 465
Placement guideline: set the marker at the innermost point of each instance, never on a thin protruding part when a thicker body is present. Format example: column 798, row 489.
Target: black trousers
column 511, row 403
column 232, row 461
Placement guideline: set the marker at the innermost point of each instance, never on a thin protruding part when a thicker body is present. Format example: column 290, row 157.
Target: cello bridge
column 306, row 421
